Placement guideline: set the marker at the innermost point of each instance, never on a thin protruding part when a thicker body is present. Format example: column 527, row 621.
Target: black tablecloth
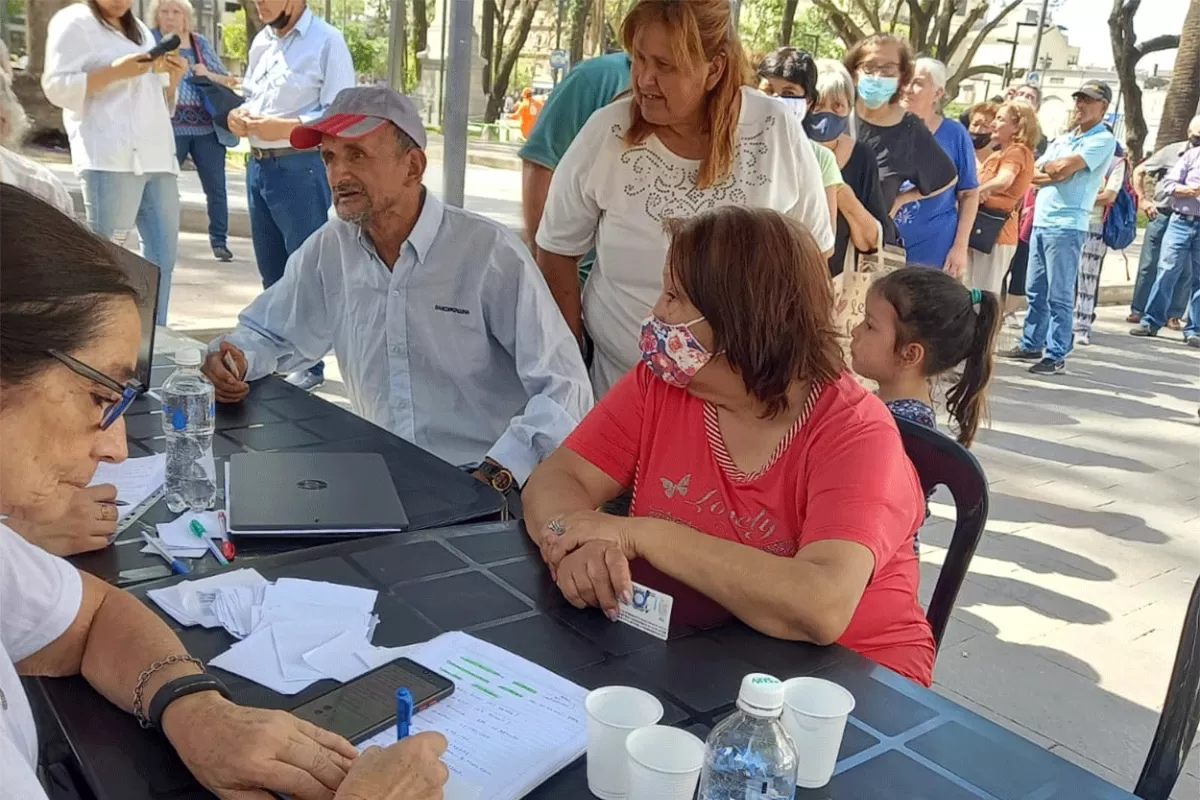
column 278, row 416
column 903, row 742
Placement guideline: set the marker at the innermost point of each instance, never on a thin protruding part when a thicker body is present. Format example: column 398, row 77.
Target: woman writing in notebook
column 767, row 484
column 68, row 350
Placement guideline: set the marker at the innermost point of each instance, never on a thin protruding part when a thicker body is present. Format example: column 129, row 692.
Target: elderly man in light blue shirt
column 297, row 65
column 443, row 326
column 1069, row 177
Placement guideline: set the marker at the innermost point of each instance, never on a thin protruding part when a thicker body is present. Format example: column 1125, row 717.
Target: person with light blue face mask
column 904, row 148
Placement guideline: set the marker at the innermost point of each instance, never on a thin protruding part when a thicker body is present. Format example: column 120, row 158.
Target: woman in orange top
column 1003, row 179
column 527, row 111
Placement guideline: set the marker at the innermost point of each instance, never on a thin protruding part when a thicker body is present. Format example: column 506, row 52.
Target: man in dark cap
column 1069, row 177
column 443, row 326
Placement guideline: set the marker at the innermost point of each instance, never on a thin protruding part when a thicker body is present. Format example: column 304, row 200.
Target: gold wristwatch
column 500, row 478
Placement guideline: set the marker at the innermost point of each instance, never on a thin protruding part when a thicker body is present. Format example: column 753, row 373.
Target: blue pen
column 177, row 566
column 404, row 712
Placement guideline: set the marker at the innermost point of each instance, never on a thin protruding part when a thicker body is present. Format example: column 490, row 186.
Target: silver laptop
column 312, row 494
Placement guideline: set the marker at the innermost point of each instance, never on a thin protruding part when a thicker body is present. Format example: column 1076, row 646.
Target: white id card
column 650, row 611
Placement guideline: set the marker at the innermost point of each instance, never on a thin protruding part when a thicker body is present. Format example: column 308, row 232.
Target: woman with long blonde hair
column 694, row 135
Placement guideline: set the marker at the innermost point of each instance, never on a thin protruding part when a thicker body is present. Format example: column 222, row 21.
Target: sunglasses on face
column 128, row 391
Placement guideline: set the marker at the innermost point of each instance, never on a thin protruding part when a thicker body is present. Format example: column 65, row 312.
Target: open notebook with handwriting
column 510, row 723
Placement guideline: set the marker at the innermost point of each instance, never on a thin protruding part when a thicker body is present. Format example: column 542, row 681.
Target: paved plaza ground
column 1068, row 623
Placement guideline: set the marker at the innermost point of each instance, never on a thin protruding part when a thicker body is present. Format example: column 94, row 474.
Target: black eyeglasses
column 129, row 391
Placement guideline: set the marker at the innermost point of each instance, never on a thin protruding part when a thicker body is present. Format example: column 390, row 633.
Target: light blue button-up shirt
column 1068, row 203
column 298, row 74
column 460, row 348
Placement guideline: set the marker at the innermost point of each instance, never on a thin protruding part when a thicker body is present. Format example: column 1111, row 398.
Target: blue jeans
column 1193, row 325
column 1180, row 256
column 1050, row 289
column 116, row 202
column 1148, row 269
column 209, row 157
column 289, row 199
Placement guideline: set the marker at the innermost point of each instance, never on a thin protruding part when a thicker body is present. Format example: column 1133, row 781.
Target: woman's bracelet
column 139, row 701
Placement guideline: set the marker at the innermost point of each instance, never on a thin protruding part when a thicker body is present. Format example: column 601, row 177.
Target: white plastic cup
column 664, row 763
column 613, row 712
column 814, row 715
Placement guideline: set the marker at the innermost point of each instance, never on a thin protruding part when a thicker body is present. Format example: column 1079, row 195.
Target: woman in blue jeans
column 116, row 110
column 195, row 133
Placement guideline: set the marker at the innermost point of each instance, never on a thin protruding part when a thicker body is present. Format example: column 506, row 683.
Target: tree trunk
column 37, row 18
column 580, row 11
column 254, row 22
column 44, row 118
column 487, row 42
column 1184, row 95
column 789, row 19
column 504, row 69
column 420, row 10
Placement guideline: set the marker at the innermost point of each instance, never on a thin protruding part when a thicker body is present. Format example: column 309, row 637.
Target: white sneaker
column 1084, row 339
column 1012, row 321
column 306, row 380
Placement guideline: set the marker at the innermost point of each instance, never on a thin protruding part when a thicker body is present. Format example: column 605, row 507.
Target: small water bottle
column 749, row 756
column 189, row 415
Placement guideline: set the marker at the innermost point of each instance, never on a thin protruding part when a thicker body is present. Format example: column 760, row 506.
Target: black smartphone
column 366, row 705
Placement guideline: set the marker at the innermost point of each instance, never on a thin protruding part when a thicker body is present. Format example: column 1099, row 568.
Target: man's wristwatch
column 500, row 478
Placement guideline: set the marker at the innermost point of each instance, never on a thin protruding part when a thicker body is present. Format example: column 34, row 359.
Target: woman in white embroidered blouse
column 117, row 111
column 693, row 136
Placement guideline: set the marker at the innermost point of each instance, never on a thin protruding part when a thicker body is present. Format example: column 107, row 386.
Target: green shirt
column 830, row 174
column 590, row 85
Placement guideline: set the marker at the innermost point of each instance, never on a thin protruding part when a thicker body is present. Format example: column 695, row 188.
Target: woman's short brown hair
column 1022, row 115
column 858, row 53
column 701, row 30
column 987, row 108
column 760, row 281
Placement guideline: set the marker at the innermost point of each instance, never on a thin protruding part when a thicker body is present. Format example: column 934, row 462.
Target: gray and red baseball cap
column 358, row 111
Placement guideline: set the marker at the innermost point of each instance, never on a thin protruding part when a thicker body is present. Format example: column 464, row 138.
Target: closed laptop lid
column 312, row 494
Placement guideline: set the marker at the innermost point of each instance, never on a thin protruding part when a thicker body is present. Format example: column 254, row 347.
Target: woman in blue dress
column 937, row 229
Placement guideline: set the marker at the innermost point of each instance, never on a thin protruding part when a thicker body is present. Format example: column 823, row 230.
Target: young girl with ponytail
column 921, row 323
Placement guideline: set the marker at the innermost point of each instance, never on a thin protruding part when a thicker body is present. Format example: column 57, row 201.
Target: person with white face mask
column 767, row 484
column 912, row 165
column 791, row 75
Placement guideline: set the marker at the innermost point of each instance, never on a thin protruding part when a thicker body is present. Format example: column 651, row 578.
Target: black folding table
column 278, row 416
column 904, row 742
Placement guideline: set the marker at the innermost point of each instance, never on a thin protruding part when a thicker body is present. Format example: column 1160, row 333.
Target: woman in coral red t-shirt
column 768, row 485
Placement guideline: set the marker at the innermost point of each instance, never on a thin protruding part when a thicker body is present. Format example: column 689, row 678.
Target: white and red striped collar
column 716, row 443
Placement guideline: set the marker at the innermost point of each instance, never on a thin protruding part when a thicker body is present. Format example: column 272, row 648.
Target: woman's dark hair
column 761, row 283
column 858, row 54
column 56, row 280
column 939, row 313
column 794, row 66
column 128, row 22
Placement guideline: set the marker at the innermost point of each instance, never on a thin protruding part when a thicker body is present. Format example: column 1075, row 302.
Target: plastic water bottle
column 189, row 414
column 749, row 755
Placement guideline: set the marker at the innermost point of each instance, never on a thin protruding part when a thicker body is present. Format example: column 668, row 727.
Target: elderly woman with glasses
column 694, row 135
column 68, row 347
column 912, row 165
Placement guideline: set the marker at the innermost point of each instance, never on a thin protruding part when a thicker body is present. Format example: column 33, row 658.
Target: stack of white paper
column 294, row 632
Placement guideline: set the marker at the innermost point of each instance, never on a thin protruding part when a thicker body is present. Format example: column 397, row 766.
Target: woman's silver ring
column 556, row 526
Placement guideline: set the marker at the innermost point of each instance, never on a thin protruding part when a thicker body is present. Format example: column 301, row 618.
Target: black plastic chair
column 941, row 461
column 1180, row 715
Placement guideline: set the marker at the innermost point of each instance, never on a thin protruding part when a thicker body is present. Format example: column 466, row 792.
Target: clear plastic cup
column 814, row 715
column 664, row 763
column 613, row 712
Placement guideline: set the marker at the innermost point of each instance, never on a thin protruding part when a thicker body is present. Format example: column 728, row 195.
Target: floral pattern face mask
column 671, row 350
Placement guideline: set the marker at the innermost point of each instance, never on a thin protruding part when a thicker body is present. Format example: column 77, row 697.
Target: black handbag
column 218, row 99
column 986, row 228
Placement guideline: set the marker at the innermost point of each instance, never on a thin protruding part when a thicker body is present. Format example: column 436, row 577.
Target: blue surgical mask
column 876, row 90
column 825, row 126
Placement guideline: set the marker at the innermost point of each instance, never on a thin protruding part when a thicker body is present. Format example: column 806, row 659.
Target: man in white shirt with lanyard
column 298, row 63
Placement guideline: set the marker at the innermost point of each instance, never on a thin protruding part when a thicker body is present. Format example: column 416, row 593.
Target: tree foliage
column 1127, row 52
column 931, row 26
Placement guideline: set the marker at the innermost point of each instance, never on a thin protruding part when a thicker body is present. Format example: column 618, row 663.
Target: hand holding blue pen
column 404, row 712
